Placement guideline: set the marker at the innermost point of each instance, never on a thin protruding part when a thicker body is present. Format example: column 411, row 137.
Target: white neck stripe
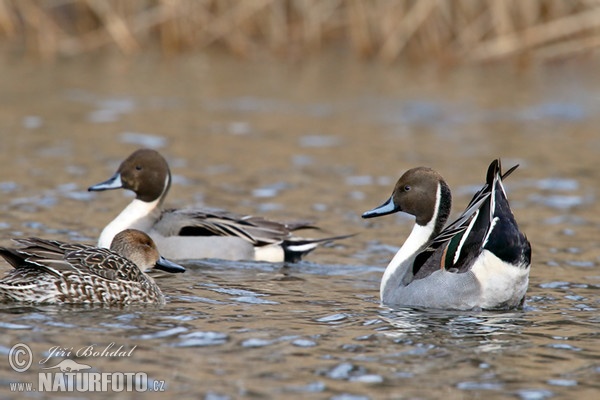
column 418, row 237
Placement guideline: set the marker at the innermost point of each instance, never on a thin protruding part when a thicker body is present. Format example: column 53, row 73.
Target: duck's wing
column 256, row 230
column 494, row 175
column 42, row 255
column 60, row 259
column 456, row 247
column 104, row 263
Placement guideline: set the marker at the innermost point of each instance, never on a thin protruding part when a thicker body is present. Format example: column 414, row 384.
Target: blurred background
column 311, row 109
column 386, row 31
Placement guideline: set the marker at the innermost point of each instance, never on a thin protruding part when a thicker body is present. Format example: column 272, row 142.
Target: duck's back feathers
column 62, row 258
column 257, row 231
column 487, row 223
column 212, row 222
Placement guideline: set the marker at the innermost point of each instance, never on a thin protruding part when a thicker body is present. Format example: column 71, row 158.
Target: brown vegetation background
column 463, row 31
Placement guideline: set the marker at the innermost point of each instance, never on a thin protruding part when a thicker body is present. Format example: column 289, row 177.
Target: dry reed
column 388, row 30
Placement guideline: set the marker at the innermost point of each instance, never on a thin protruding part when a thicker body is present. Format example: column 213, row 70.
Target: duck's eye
column 406, row 188
column 138, row 167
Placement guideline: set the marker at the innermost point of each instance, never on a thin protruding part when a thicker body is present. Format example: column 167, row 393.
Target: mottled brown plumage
column 54, row 272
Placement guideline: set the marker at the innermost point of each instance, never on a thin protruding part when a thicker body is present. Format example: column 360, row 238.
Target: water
column 324, row 140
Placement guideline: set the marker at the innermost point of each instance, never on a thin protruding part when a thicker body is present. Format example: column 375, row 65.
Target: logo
column 69, row 366
column 20, row 357
column 69, row 375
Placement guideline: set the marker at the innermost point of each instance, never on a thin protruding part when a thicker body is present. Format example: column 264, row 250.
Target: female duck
column 53, row 272
column 196, row 233
column 480, row 261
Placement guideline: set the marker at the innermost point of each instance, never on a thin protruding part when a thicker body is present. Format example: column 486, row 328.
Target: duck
column 55, row 272
column 194, row 233
column 479, row 261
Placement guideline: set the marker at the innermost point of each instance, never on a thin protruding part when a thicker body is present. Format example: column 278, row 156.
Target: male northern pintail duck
column 480, row 261
column 53, row 272
column 196, row 233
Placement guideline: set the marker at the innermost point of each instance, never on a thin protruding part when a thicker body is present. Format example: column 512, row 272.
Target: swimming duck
column 54, row 272
column 479, row 261
column 197, row 233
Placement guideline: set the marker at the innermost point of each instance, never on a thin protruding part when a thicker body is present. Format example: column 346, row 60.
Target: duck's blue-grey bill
column 114, row 182
column 386, row 208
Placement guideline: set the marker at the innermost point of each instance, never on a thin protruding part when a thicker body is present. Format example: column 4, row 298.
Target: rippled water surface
column 322, row 140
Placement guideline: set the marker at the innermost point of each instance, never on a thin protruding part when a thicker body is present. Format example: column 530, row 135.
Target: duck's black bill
column 168, row 266
column 114, row 182
column 386, row 208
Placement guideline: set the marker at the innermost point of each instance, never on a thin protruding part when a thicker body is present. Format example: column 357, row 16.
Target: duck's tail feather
column 12, row 256
column 296, row 248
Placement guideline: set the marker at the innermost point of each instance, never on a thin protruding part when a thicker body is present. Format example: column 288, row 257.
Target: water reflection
column 440, row 324
column 320, row 142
